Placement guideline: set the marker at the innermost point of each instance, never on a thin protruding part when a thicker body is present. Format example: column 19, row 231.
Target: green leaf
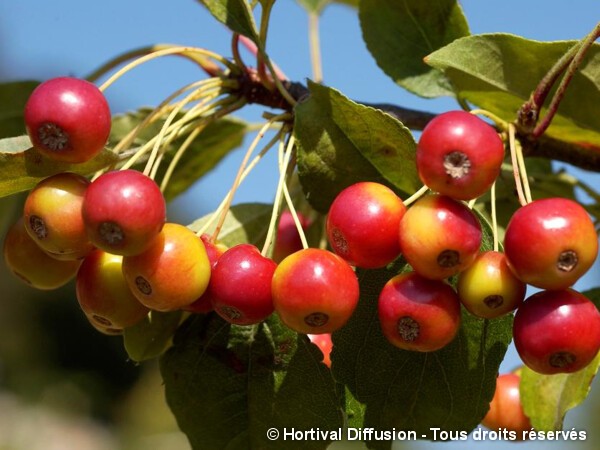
column 450, row 388
column 227, row 385
column 236, row 14
column 22, row 166
column 400, row 33
column 498, row 72
column 209, row 148
column 149, row 338
column 244, row 223
column 13, row 97
column 342, row 142
column 547, row 398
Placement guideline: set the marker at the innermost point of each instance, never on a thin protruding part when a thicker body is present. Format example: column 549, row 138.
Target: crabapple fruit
column 68, row 119
column 362, row 224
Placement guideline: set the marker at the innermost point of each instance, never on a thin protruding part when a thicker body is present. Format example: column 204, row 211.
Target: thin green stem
column 416, row 196
column 515, row 165
column 494, row 218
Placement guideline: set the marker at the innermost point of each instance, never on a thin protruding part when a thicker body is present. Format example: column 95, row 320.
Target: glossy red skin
column 362, row 225
column 436, row 224
column 325, row 344
column 28, row 262
column 459, row 131
column 550, row 322
column 288, row 240
column 77, row 107
column 56, row 202
column 133, row 202
column 432, row 304
column 214, row 251
column 240, row 285
column 484, row 282
column 539, row 232
column 312, row 282
column 175, row 267
column 506, row 410
column 103, row 293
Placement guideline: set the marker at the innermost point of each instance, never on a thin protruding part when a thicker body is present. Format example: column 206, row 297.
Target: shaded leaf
column 450, row 388
column 149, row 338
column 13, row 97
column 547, row 398
column 236, row 14
column 498, row 72
column 400, row 33
column 245, row 223
column 22, row 166
column 227, row 385
column 341, row 142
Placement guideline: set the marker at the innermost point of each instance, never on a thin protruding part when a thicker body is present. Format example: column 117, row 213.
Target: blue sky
column 42, row 39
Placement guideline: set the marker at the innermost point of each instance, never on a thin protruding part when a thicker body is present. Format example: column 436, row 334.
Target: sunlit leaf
column 400, row 33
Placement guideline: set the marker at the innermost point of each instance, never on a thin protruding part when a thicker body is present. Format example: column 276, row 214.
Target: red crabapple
column 550, row 243
column 28, row 262
column 439, row 236
column 417, row 313
column 123, row 212
column 53, row 218
column 103, row 293
column 506, row 409
column 362, row 224
column 240, row 285
column 172, row 273
column 557, row 331
column 68, row 119
column 459, row 155
column 314, row 291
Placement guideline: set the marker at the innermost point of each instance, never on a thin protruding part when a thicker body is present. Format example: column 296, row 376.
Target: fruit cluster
column 549, row 244
column 111, row 233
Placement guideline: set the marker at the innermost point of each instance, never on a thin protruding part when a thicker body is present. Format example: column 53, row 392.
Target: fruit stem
column 582, row 50
column 523, row 170
column 164, row 52
column 292, row 209
column 184, row 146
column 416, row 196
column 285, row 157
column 515, row 164
column 247, row 171
column 471, row 203
column 494, row 217
column 501, row 124
column 238, row 177
column 315, row 46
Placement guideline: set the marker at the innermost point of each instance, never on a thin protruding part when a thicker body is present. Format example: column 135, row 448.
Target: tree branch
column 580, row 155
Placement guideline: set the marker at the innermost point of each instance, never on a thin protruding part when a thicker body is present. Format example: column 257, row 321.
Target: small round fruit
column 214, row 251
column 288, row 240
column 172, row 273
column 240, row 285
column 418, row 314
column 28, row 262
column 123, row 212
column 550, row 243
column 103, row 293
column 68, row 119
column 325, row 344
column 314, row 291
column 362, row 224
column 557, row 331
column 506, row 410
column 53, row 219
column 439, row 236
column 488, row 288
column 459, row 155
column 108, row 331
